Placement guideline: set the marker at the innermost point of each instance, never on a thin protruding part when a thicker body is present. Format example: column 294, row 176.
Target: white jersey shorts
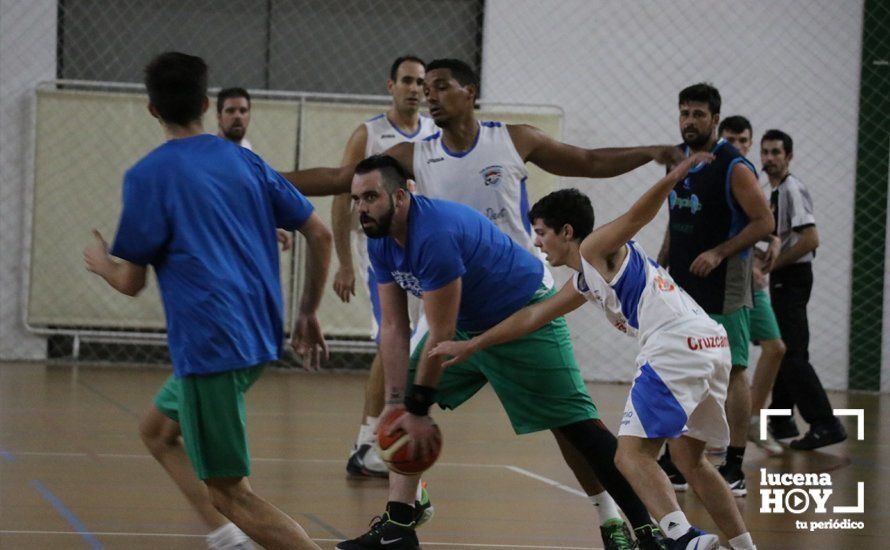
column 680, row 385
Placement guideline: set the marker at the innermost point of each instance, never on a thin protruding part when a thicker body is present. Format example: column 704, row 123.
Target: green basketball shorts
column 535, row 377
column 210, row 412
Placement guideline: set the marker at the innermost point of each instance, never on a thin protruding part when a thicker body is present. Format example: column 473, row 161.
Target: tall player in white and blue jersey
column 401, row 122
column 482, row 165
column 683, row 364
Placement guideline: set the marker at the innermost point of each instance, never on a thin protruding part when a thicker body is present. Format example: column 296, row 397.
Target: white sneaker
column 770, row 445
column 365, row 462
column 229, row 537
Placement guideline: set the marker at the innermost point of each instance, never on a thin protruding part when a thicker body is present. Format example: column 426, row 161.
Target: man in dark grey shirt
column 791, row 282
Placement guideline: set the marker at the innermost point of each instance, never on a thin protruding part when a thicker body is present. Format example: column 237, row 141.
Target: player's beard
column 381, row 225
column 235, row 133
column 699, row 140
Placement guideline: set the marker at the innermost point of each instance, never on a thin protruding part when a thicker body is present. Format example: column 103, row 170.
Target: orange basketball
column 394, row 448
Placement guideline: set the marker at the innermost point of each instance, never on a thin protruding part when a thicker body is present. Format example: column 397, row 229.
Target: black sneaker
column 650, row 537
column 820, row 436
column 677, row 479
column 615, row 535
column 735, row 478
column 783, row 428
column 423, row 508
column 385, row 534
column 365, row 463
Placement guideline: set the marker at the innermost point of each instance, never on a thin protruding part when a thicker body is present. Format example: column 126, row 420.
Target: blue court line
column 117, row 404
column 7, row 456
column 67, row 514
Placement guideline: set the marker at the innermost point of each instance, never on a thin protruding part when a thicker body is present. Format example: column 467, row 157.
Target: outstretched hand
column 458, row 351
column 308, row 342
column 668, row 155
column 680, row 170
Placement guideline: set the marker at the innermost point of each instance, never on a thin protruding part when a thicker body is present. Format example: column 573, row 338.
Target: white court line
column 177, row 535
column 547, row 480
column 257, row 459
column 516, row 469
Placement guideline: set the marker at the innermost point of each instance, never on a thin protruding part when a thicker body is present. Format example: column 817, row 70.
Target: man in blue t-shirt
column 469, row 276
column 203, row 212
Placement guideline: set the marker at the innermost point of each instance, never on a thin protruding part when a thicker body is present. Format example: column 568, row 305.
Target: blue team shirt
column 447, row 240
column 203, row 211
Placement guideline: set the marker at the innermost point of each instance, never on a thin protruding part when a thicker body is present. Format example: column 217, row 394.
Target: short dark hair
column 393, row 176
column 565, row 207
column 735, row 124
column 394, row 69
column 177, row 86
column 227, row 93
column 461, row 71
column 787, row 142
column 702, row 92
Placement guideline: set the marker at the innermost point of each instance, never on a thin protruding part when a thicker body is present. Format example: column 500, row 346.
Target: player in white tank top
column 490, row 177
column 684, row 360
column 402, row 122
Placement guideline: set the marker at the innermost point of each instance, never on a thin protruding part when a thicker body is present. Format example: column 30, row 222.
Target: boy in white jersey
column 402, row 122
column 683, row 365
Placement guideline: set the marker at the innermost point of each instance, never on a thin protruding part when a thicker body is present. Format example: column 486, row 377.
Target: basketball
column 394, row 449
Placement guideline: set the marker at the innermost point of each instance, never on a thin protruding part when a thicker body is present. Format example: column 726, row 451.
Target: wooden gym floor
column 74, row 474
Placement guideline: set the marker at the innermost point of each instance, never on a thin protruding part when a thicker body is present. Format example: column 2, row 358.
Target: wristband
column 420, row 399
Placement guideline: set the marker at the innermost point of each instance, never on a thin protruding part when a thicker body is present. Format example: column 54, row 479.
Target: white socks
column 605, row 506
column 366, row 431
column 227, row 536
column 742, row 542
column 674, row 525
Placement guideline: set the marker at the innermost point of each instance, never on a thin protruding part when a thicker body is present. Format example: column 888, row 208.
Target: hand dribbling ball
column 395, row 451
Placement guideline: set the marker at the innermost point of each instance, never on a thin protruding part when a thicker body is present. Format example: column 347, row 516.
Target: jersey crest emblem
column 491, row 175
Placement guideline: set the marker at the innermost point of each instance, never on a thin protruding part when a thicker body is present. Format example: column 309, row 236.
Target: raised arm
column 747, row 193
column 319, row 182
column 664, row 253
column 524, row 321
column 307, row 338
column 562, row 159
column 341, row 219
column 611, row 237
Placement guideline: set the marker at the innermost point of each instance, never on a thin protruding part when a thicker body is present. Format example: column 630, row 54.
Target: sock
column 597, row 444
column 735, row 456
column 419, row 492
column 674, row 525
column 366, row 432
column 226, row 536
column 742, row 542
column 605, row 506
column 400, row 512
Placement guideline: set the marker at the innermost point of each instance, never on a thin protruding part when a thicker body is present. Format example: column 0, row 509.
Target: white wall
column 616, row 69
column 27, row 56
